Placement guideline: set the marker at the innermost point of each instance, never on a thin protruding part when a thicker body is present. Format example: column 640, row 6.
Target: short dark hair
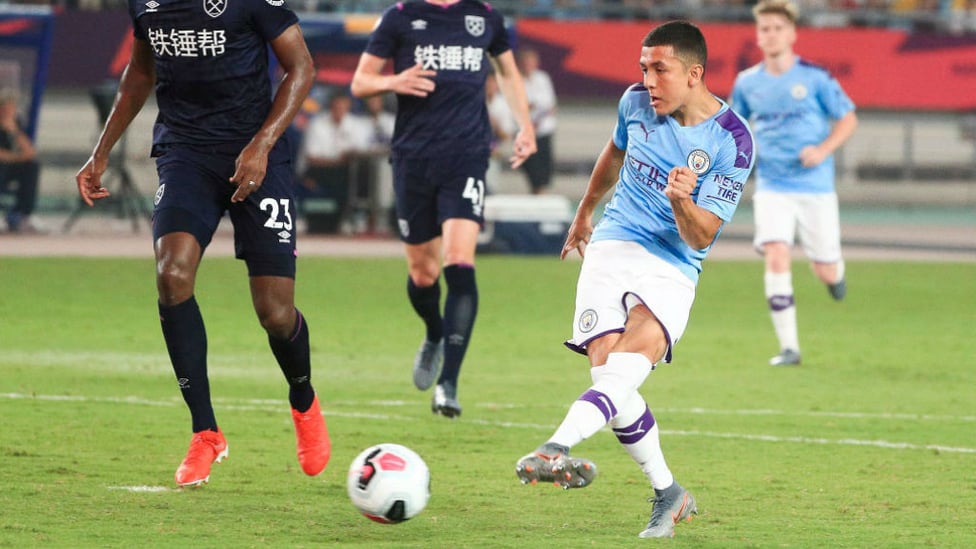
column 686, row 39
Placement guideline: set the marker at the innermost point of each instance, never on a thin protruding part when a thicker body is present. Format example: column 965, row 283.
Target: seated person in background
column 18, row 163
column 331, row 139
column 375, row 132
column 377, row 125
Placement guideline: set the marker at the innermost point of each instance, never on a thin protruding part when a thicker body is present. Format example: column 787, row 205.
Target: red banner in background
column 879, row 68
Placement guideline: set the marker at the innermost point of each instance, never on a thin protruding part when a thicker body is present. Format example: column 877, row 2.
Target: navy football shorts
column 194, row 194
column 430, row 191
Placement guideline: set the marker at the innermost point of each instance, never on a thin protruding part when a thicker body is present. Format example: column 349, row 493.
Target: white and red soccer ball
column 388, row 483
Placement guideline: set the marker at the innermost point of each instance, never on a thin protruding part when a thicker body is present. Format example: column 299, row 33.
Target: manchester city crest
column 214, row 8
column 699, row 162
column 587, row 320
column 798, row 91
column 475, row 24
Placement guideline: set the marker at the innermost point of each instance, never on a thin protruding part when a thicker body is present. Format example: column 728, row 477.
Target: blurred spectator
column 331, row 139
column 542, row 109
column 370, row 199
column 503, row 125
column 18, row 165
column 503, row 128
column 375, row 125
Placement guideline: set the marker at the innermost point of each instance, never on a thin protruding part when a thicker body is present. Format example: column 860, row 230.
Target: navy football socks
column 186, row 341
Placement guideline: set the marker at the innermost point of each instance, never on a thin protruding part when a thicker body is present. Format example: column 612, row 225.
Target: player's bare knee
column 826, row 272
column 424, row 274
column 174, row 284
column 277, row 321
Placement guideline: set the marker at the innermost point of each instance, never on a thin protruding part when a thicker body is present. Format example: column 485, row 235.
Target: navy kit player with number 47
column 442, row 52
column 218, row 149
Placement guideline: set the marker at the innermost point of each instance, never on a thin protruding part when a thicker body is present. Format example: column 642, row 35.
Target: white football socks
column 637, row 431
column 617, row 381
column 782, row 309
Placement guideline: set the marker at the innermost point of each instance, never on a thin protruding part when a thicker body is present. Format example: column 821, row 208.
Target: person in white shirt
column 542, row 109
column 331, row 139
column 503, row 128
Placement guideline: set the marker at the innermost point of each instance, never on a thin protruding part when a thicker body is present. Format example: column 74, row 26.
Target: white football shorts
column 617, row 275
column 813, row 217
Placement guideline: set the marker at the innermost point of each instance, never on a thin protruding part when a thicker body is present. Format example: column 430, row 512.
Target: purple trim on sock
column 636, row 430
column 601, row 401
column 780, row 302
column 298, row 325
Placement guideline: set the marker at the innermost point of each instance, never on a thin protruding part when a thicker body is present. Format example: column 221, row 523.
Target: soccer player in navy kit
column 217, row 149
column 440, row 151
column 800, row 115
column 678, row 160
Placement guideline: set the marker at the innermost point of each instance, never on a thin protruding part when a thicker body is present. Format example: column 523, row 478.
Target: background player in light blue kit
column 679, row 158
column 440, row 152
column 791, row 104
column 219, row 149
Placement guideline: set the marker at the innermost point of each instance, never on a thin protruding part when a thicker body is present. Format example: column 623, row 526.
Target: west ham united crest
column 214, row 7
column 475, row 24
column 699, row 162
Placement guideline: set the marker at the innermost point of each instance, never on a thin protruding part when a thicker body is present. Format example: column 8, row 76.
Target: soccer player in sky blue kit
column 219, row 149
column 442, row 52
column 791, row 104
column 679, row 158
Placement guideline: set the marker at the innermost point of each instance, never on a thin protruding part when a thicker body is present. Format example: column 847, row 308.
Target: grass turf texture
column 869, row 444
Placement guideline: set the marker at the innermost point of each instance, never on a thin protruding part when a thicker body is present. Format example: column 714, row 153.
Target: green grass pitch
column 871, row 443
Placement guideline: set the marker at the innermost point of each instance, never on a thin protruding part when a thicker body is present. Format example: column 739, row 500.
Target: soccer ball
column 388, row 483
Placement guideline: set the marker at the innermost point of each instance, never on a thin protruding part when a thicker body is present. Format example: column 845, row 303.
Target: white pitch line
column 231, row 365
column 265, row 405
column 815, row 440
column 141, row 489
column 848, row 415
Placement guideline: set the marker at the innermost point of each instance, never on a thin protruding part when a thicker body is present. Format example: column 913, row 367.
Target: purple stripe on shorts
column 636, row 430
column 780, row 302
column 601, row 401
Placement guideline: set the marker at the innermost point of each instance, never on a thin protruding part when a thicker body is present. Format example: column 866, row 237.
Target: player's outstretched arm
column 369, row 79
column 697, row 226
column 602, row 179
column 135, row 86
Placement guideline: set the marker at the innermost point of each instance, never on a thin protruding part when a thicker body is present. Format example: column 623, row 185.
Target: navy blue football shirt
column 453, row 40
column 211, row 56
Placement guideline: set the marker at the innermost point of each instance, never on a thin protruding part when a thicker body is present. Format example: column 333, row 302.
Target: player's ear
column 696, row 73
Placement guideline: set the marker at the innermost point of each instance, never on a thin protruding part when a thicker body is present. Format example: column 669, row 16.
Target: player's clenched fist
column 681, row 183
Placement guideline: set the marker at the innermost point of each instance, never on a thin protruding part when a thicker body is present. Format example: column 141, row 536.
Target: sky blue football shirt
column 720, row 150
column 787, row 113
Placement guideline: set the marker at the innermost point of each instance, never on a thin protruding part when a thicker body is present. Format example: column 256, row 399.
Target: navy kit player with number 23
column 442, row 52
column 219, row 149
